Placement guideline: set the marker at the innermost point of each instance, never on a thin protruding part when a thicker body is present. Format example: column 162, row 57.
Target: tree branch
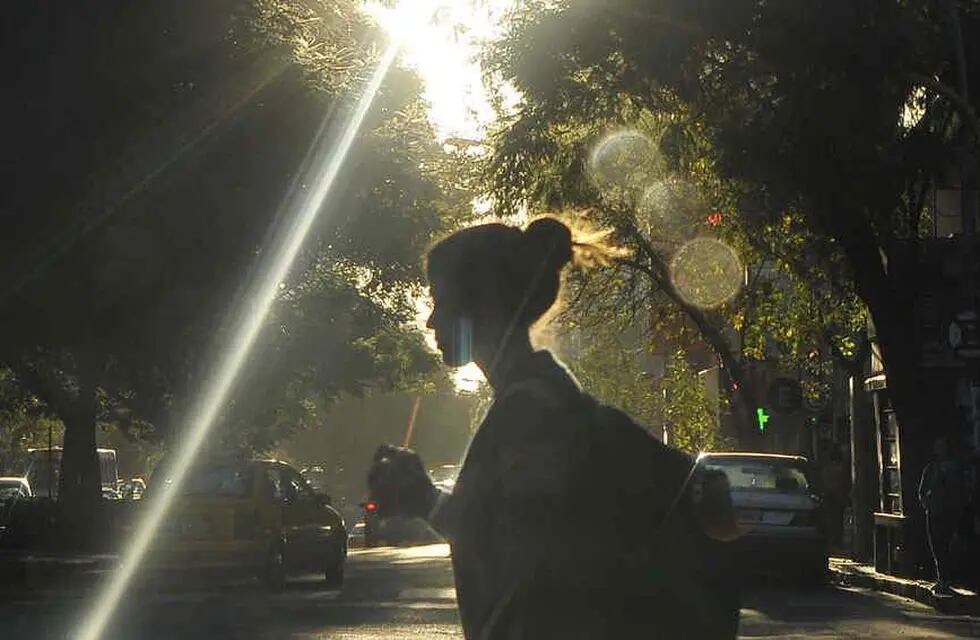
column 961, row 105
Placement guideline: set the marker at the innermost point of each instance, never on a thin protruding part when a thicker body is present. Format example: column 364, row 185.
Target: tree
column 839, row 116
column 23, row 424
column 155, row 145
column 608, row 359
column 683, row 282
column 692, row 424
column 842, row 115
column 609, row 362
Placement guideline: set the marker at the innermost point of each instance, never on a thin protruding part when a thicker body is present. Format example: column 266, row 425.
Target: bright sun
column 444, row 51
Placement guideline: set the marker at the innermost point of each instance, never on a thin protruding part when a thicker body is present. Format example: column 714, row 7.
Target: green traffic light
column 762, row 417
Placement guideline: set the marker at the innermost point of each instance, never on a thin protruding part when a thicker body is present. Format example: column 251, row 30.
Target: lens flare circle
column 623, row 161
column 671, row 209
column 706, row 272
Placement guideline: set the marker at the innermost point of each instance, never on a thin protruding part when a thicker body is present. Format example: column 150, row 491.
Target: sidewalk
column 846, row 572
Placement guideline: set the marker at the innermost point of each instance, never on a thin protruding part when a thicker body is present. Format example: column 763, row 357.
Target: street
column 405, row 593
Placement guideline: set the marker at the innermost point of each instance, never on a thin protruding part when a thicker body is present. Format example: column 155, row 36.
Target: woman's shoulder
column 542, row 377
column 543, row 398
column 537, row 400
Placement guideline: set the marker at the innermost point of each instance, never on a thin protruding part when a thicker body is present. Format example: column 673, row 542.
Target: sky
column 444, row 52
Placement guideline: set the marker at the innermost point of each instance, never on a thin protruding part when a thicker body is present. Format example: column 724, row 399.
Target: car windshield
column 8, row 491
column 224, row 480
column 762, row 474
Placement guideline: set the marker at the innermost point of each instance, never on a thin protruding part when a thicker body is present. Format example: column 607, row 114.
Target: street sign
column 785, row 395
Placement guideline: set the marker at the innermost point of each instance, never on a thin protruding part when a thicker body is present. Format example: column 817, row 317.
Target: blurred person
column 942, row 496
column 567, row 519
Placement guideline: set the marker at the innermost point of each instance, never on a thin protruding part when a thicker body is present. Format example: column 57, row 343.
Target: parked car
column 14, row 488
column 13, row 491
column 778, row 511
column 137, row 488
column 132, row 489
column 259, row 514
column 44, row 471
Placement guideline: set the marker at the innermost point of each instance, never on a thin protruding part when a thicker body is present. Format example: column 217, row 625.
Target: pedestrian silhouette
column 567, row 520
column 942, row 493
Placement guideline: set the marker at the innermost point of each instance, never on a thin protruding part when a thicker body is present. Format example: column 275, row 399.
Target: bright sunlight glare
column 323, row 163
column 445, row 53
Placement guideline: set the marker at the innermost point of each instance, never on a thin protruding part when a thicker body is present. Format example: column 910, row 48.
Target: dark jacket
column 536, row 554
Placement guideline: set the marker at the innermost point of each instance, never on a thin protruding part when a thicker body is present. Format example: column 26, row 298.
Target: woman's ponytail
column 522, row 268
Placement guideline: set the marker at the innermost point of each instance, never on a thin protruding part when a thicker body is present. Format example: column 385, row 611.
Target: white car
column 12, row 491
column 14, row 488
column 778, row 512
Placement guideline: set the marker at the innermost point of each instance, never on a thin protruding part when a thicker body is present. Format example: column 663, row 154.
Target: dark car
column 778, row 512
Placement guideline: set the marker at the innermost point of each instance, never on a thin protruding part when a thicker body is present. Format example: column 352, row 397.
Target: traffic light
column 762, row 417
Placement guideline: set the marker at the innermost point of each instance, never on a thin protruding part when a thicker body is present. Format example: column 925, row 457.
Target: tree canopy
column 826, row 123
column 154, row 148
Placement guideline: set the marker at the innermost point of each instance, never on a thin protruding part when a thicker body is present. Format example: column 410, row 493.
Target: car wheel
column 333, row 576
column 273, row 572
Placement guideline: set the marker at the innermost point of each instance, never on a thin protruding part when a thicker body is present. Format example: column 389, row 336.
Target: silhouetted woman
column 536, row 553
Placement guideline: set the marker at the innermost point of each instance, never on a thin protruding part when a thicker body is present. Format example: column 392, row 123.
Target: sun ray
column 323, row 163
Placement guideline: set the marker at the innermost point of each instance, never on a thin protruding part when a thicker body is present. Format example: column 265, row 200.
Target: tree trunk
column 921, row 408
column 79, row 493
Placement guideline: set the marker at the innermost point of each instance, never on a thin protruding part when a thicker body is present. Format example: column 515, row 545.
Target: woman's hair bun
column 550, row 240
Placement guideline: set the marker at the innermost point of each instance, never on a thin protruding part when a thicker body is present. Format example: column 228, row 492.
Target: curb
column 847, row 573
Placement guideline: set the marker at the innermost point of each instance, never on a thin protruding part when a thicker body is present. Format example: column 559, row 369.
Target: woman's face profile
column 453, row 329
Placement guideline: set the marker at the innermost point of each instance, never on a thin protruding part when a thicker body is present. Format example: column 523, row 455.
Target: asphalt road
column 396, row 594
